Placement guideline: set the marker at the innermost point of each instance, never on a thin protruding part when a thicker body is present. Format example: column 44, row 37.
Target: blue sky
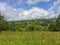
column 23, row 4
column 29, row 9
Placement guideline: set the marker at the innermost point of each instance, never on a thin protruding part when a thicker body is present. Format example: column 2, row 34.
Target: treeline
column 52, row 24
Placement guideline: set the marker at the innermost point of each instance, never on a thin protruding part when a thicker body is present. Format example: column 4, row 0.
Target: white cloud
column 33, row 2
column 35, row 13
column 55, row 6
column 55, row 9
column 9, row 12
column 21, row 14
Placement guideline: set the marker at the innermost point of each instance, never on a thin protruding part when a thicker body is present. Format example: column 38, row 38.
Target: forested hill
column 52, row 24
column 37, row 25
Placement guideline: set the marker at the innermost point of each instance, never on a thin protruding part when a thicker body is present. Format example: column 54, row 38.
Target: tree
column 3, row 23
column 58, row 23
column 55, row 25
column 52, row 27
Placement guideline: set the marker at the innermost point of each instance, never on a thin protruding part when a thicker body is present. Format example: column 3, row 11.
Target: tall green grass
column 30, row 38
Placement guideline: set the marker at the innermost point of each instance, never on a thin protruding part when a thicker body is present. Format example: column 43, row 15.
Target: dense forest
column 52, row 24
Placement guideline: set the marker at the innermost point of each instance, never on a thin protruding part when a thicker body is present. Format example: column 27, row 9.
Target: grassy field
column 30, row 38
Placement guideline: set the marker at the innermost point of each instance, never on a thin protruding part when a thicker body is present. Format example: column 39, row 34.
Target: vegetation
column 52, row 24
column 27, row 32
column 29, row 38
column 3, row 23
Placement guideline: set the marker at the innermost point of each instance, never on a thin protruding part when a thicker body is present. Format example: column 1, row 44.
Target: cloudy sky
column 29, row 9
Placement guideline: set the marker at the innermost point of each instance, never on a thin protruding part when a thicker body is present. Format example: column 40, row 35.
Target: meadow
column 29, row 38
